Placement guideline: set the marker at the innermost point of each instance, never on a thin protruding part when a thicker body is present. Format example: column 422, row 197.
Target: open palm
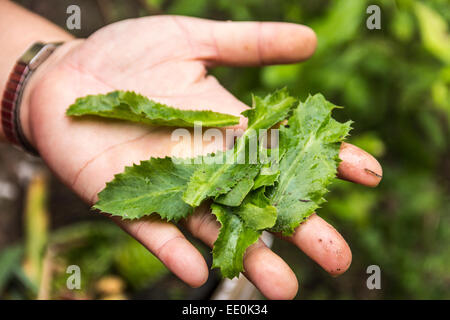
column 165, row 58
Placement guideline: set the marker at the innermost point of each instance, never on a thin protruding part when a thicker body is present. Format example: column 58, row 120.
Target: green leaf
column 155, row 185
column 257, row 211
column 311, row 142
column 128, row 105
column 235, row 197
column 234, row 238
column 214, row 180
column 268, row 111
column 267, row 176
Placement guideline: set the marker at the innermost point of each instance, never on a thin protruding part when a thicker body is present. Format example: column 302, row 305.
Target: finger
column 323, row 244
column 269, row 273
column 359, row 166
column 266, row 270
column 249, row 43
column 167, row 243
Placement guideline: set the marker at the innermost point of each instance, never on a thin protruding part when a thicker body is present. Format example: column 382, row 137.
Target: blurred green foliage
column 100, row 249
column 394, row 83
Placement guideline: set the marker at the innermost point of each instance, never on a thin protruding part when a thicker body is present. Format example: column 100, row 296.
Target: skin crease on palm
column 166, row 59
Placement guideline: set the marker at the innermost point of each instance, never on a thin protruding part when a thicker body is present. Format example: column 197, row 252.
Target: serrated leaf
column 212, row 181
column 234, row 238
column 128, row 105
column 311, row 142
column 267, row 176
column 155, row 185
column 268, row 111
column 236, row 195
column 256, row 211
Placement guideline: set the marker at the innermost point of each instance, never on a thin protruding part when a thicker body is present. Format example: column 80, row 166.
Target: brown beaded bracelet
column 12, row 95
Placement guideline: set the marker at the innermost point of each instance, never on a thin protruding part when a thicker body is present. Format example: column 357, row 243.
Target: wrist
column 29, row 90
column 31, row 87
column 12, row 96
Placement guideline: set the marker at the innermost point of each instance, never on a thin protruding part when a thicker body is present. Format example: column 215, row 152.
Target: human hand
column 165, row 58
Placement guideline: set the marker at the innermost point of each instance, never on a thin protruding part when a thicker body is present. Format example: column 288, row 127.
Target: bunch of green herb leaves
column 247, row 197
